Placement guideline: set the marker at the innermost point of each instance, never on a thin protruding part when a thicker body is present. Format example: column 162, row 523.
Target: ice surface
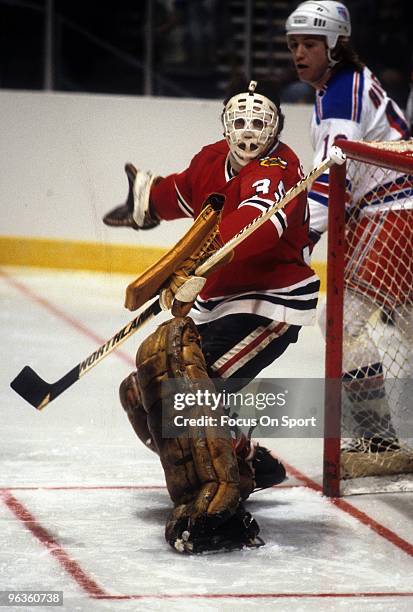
column 83, row 502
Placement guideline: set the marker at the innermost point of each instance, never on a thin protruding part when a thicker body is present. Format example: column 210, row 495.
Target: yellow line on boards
column 77, row 255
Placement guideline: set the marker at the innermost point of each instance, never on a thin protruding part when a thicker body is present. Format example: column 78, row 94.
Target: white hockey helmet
column 250, row 123
column 320, row 18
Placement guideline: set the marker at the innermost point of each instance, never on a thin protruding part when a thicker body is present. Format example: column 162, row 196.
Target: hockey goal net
column 369, row 320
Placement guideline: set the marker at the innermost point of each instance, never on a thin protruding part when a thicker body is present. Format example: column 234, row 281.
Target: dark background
column 189, row 48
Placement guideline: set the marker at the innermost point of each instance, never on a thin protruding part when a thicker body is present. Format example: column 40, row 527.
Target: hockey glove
column 137, row 211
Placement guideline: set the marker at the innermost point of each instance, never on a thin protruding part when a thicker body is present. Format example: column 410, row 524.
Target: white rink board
column 62, row 157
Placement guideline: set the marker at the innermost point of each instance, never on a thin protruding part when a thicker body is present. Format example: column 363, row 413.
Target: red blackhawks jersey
column 269, row 274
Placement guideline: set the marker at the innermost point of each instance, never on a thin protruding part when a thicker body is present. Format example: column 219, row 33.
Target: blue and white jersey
column 353, row 105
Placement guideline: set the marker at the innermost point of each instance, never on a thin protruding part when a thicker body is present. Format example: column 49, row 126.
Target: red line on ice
column 70, row 565
column 61, row 315
column 82, row 487
column 92, row 588
column 256, row 595
column 364, row 518
column 104, row 487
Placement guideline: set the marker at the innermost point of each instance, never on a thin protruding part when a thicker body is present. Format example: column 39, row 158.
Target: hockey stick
column 335, row 157
column 37, row 392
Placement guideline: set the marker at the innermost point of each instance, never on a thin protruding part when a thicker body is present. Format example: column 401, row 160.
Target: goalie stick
column 37, row 392
column 31, row 387
column 336, row 156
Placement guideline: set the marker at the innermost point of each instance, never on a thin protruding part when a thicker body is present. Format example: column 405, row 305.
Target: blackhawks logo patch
column 270, row 162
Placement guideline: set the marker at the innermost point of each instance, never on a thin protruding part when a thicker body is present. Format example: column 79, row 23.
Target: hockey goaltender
column 227, row 329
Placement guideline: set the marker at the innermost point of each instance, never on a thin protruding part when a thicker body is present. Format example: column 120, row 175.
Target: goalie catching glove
column 137, row 211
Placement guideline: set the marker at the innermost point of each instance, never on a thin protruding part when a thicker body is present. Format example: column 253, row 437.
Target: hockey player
column 350, row 103
column 247, row 314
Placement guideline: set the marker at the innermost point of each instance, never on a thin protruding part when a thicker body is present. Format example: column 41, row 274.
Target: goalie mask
column 251, row 123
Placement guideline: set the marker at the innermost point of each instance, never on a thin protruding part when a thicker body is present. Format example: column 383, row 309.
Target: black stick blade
column 37, row 391
column 31, row 387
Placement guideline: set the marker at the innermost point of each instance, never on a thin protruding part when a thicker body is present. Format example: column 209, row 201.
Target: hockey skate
column 203, row 537
column 268, row 470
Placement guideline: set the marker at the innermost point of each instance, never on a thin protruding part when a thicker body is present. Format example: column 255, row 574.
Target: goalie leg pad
column 206, row 462
column 200, row 466
column 130, row 399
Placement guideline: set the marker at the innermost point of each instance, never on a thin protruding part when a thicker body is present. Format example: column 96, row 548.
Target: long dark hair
column 346, row 56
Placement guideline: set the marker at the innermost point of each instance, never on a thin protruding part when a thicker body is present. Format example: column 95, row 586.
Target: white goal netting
column 377, row 411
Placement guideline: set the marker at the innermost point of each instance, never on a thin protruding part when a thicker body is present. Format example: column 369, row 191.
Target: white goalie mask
column 328, row 18
column 250, row 123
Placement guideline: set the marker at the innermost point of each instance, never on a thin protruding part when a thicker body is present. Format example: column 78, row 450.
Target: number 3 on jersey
column 263, row 187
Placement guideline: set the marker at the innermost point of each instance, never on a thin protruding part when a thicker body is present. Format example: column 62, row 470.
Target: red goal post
column 367, row 162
